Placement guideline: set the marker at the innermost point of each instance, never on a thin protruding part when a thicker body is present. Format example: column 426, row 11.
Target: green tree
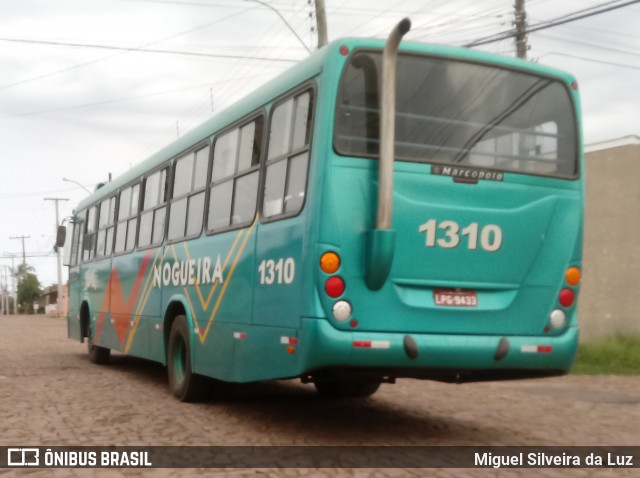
column 28, row 290
column 22, row 269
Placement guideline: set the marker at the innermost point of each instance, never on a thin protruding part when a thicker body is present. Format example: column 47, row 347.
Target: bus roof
column 300, row 72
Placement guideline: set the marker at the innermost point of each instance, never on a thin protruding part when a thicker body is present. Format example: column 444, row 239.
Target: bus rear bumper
column 450, row 358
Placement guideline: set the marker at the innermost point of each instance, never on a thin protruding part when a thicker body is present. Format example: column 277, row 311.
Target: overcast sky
column 85, row 112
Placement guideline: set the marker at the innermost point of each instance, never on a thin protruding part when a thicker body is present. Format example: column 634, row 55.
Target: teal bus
column 381, row 210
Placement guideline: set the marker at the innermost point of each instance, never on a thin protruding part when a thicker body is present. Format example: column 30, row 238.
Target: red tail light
column 334, row 287
column 566, row 297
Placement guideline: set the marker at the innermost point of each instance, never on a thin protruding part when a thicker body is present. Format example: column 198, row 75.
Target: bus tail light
column 330, row 262
column 557, row 319
column 572, row 276
column 334, row 287
column 342, row 311
column 566, row 297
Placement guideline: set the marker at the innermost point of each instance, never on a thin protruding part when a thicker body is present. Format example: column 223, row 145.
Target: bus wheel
column 185, row 385
column 335, row 388
column 97, row 354
column 346, row 389
column 366, row 389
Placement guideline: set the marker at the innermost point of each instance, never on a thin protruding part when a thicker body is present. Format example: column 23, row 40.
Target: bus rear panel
column 487, row 219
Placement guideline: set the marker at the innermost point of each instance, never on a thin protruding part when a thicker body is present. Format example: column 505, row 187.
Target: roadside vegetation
column 619, row 355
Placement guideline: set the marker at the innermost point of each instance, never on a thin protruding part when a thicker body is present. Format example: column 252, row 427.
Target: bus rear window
column 467, row 114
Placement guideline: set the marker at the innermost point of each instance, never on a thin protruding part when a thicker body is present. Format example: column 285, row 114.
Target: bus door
column 71, row 260
column 281, row 234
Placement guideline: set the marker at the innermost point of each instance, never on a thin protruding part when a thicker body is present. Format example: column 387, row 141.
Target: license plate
column 455, row 298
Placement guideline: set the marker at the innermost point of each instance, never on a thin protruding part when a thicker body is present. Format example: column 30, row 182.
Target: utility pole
column 58, row 253
column 14, row 293
column 521, row 29
column 24, row 255
column 321, row 23
column 5, row 291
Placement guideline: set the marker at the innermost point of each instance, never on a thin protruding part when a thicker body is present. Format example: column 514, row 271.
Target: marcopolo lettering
column 199, row 271
column 467, row 173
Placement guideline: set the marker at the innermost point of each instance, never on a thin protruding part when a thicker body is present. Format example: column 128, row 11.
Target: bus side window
column 78, row 224
column 187, row 203
column 106, row 226
column 70, row 244
column 234, row 177
column 127, row 219
column 71, row 252
column 154, row 209
column 288, row 158
column 89, row 239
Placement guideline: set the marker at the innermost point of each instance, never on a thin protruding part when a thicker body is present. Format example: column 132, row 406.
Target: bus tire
column 98, row 355
column 335, row 389
column 346, row 389
column 366, row 389
column 185, row 385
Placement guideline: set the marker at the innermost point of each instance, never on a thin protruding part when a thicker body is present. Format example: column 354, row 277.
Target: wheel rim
column 179, row 361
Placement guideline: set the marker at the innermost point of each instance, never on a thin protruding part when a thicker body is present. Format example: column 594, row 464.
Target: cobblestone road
column 50, row 394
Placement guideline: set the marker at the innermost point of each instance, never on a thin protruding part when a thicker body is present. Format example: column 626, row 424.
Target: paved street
column 50, row 394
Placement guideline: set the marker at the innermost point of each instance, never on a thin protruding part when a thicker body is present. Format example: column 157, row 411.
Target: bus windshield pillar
column 381, row 240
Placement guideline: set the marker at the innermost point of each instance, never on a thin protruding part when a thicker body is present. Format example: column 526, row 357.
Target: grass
column 619, row 355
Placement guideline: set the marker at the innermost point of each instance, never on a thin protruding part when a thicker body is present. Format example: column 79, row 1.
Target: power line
column 22, row 238
column 116, row 100
column 283, row 19
column 29, row 255
column 140, row 50
column 551, row 23
column 591, row 30
column 604, row 62
column 474, row 18
column 593, row 7
column 451, row 36
column 185, row 3
column 238, row 69
column 590, row 44
column 281, row 6
column 82, row 65
column 379, row 13
column 439, row 28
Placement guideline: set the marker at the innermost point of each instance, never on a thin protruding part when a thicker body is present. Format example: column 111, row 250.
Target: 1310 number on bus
column 490, row 235
column 282, row 271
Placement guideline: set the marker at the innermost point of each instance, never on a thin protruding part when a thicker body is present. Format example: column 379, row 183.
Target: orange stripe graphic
column 120, row 308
